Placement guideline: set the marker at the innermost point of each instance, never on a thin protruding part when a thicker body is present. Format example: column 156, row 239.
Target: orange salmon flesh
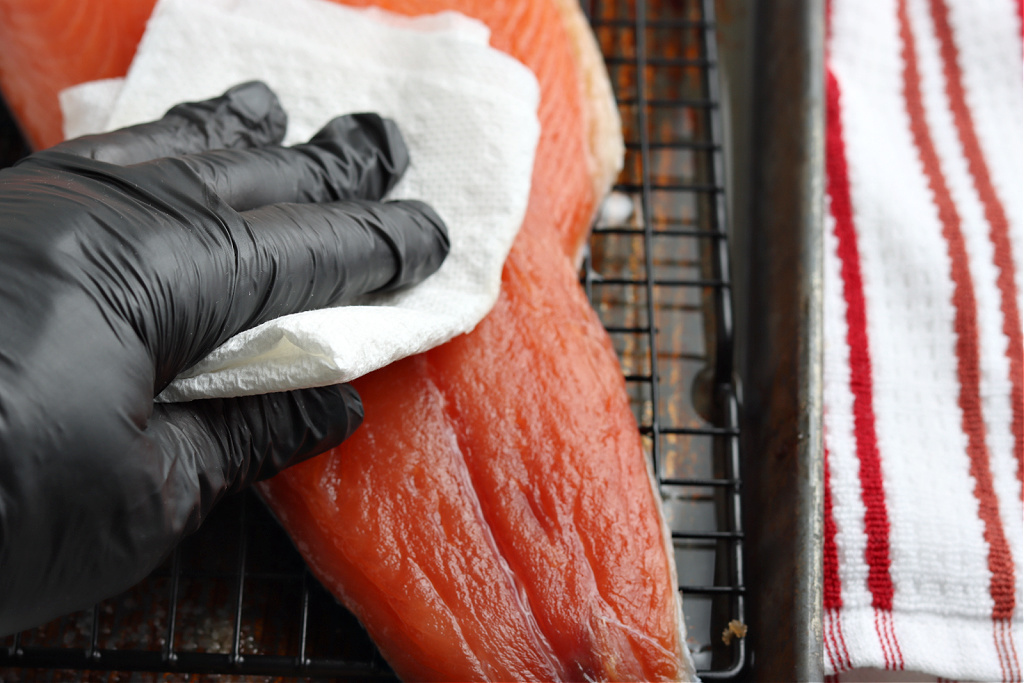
column 493, row 518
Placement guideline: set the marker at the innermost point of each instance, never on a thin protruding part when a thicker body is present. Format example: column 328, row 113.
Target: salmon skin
column 494, row 517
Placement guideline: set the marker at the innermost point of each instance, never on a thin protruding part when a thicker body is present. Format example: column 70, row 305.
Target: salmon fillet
column 49, row 46
column 494, row 517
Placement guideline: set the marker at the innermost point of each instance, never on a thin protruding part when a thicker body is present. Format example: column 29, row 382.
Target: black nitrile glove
column 127, row 257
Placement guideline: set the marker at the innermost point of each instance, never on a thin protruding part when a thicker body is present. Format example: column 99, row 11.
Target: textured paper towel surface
column 468, row 114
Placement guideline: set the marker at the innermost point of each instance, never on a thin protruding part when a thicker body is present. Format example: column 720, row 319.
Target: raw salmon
column 49, row 46
column 494, row 517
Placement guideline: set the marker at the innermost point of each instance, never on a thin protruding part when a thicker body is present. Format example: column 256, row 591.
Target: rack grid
column 236, row 598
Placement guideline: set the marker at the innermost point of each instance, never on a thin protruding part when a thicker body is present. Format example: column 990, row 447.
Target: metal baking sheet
column 704, row 271
column 778, row 259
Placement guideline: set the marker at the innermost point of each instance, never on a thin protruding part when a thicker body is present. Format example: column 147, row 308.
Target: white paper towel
column 469, row 117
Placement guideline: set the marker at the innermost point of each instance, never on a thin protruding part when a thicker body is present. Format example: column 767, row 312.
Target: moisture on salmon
column 494, row 512
column 493, row 518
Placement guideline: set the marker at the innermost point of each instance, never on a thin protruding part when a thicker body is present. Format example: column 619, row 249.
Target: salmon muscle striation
column 494, row 517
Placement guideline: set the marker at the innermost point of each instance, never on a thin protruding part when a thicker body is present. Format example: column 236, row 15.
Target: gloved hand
column 127, row 257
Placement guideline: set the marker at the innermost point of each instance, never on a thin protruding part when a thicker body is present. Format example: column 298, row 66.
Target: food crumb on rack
column 735, row 628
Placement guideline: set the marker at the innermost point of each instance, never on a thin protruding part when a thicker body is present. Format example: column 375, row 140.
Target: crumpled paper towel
column 469, row 116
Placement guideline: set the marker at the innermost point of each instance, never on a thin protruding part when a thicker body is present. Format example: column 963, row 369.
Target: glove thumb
column 219, row 446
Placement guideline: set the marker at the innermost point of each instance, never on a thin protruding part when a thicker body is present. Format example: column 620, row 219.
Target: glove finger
column 131, row 508
column 203, row 450
column 247, row 115
column 283, row 259
column 352, row 248
column 358, row 156
column 219, row 446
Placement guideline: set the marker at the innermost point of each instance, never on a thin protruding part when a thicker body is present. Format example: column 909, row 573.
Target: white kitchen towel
column 469, row 117
column 924, row 422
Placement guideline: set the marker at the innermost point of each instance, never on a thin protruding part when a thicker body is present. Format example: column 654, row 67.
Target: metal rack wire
column 236, row 597
column 660, row 281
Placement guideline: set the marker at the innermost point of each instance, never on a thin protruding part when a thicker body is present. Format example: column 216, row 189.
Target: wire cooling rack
column 658, row 276
column 236, row 598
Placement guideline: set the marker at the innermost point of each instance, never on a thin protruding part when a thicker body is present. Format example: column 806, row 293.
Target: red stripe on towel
column 845, row 651
column 835, row 644
column 998, row 640
column 895, row 641
column 995, row 215
column 883, row 639
column 1002, row 631
column 1020, row 18
column 876, row 517
column 1000, row 562
column 831, row 646
column 833, row 598
column 1011, row 646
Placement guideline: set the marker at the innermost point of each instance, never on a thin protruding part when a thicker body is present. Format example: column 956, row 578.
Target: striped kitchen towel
column 924, row 388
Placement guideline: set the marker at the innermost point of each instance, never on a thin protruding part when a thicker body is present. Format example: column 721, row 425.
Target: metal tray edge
column 782, row 359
